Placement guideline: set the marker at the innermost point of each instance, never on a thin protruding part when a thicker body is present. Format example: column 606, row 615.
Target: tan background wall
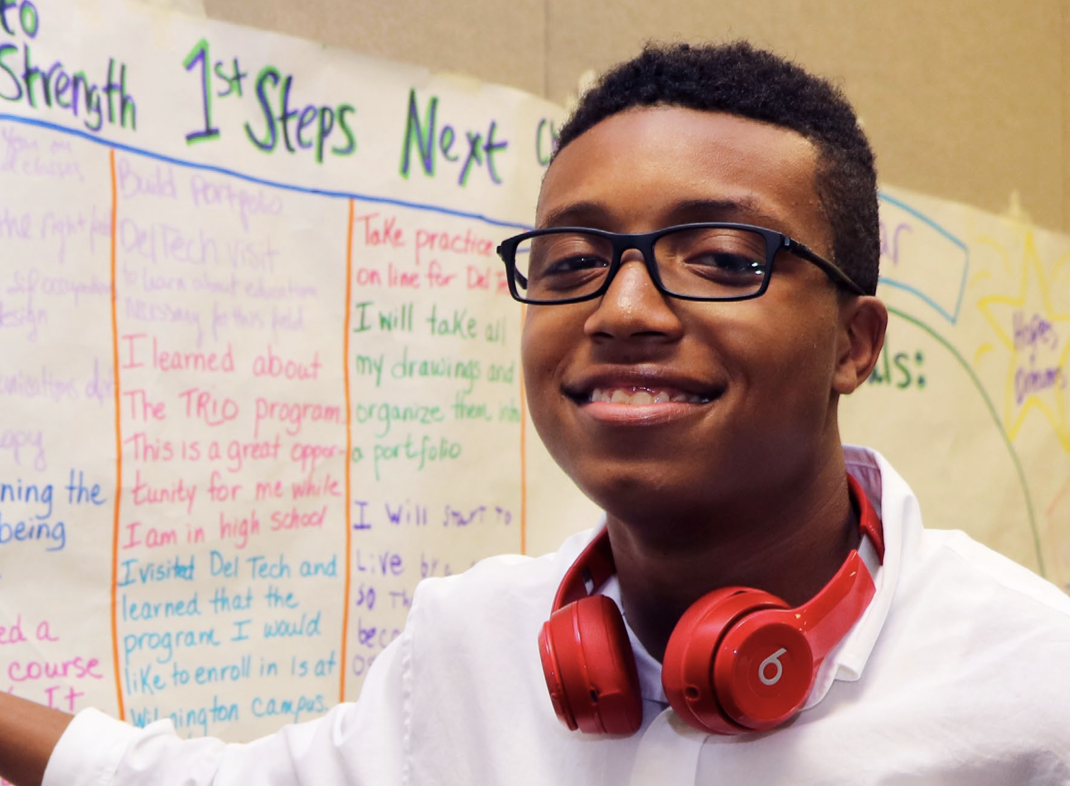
column 964, row 99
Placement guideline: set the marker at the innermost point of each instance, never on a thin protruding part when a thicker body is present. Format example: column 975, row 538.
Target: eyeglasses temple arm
column 797, row 248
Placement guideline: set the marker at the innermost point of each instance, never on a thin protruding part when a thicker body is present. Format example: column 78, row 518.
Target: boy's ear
column 863, row 321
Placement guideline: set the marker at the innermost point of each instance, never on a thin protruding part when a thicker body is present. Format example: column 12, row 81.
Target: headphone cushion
column 590, row 669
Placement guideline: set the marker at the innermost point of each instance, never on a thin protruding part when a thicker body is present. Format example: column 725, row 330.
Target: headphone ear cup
column 590, row 669
column 764, row 669
column 689, row 667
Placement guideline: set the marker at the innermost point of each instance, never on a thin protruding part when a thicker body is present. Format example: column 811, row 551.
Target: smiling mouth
column 642, row 396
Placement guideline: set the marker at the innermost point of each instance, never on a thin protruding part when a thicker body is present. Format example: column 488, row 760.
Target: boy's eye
column 726, row 262
column 576, row 263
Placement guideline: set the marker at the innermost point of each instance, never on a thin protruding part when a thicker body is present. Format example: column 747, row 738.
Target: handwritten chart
column 260, row 362
column 261, row 374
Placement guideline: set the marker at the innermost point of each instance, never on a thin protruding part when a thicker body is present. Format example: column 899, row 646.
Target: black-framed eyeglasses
column 707, row 261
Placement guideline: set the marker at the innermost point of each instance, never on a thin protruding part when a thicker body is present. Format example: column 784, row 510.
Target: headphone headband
column 595, row 565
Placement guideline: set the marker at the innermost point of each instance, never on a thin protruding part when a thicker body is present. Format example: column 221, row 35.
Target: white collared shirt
column 957, row 673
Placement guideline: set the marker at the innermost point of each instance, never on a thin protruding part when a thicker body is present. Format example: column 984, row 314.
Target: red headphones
column 739, row 660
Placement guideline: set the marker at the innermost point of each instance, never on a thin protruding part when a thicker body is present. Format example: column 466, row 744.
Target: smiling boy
column 762, row 605
column 741, row 471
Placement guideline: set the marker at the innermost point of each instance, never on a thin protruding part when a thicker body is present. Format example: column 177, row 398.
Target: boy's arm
column 28, row 733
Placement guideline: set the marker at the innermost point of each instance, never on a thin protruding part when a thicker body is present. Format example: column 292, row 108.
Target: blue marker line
column 891, row 282
column 262, row 181
column 953, row 318
column 922, row 217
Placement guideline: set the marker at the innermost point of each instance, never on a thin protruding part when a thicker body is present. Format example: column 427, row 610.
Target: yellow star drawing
column 1038, row 339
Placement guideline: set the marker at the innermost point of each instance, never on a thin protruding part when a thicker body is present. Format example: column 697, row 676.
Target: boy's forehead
column 678, row 159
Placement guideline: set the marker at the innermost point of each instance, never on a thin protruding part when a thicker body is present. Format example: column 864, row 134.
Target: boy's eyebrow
column 742, row 209
column 575, row 214
column 595, row 214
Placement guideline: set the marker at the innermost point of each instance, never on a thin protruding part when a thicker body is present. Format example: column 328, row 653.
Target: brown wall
column 964, row 99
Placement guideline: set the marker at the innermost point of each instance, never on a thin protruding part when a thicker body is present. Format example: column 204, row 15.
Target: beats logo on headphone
column 739, row 660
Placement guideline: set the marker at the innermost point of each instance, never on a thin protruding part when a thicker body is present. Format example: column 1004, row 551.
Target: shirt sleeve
column 355, row 743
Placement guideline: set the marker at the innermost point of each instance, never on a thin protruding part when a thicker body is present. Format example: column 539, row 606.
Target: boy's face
column 751, row 402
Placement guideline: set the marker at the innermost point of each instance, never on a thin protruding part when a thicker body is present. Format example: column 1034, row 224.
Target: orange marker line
column 523, row 458
column 118, row 442
column 349, row 454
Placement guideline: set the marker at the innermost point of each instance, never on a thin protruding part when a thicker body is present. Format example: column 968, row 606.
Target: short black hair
column 738, row 79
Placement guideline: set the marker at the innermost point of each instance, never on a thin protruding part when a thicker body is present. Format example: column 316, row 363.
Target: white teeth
column 640, row 396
